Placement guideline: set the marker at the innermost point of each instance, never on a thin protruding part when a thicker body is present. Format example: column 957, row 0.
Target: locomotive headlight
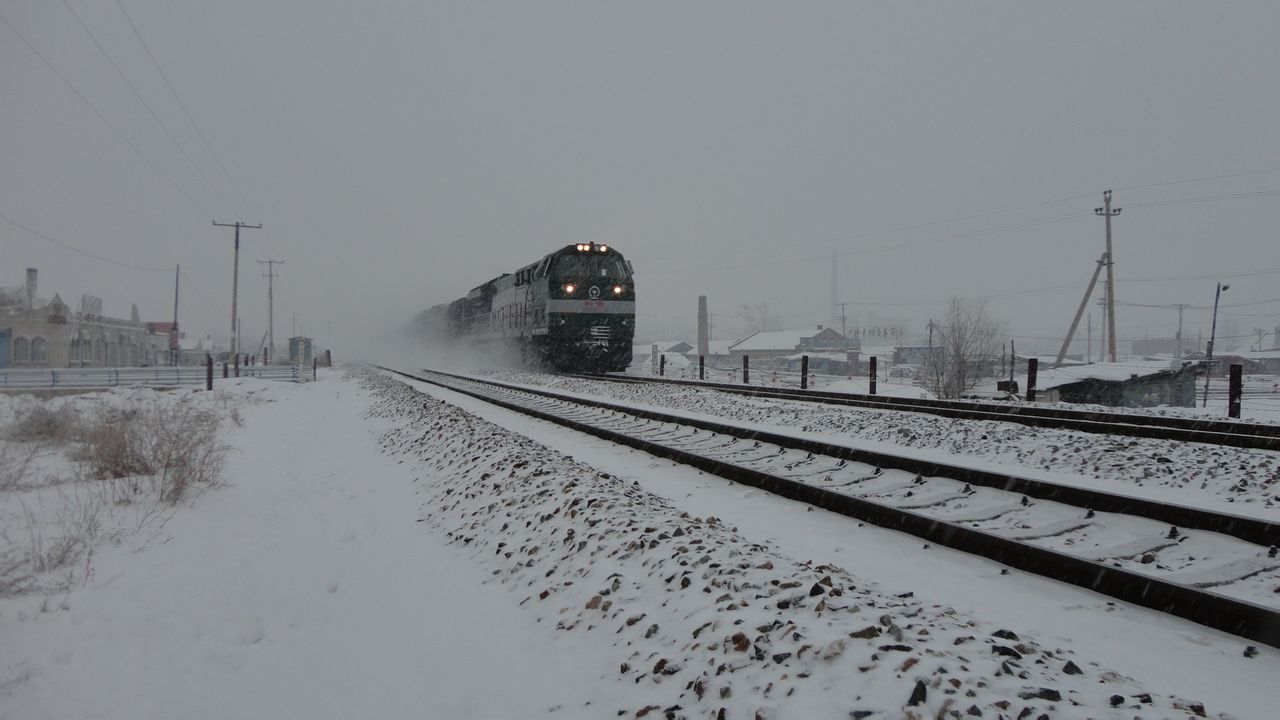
column 604, row 248
column 617, row 289
column 569, row 288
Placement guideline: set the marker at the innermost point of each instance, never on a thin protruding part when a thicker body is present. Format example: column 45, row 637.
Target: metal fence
column 144, row 376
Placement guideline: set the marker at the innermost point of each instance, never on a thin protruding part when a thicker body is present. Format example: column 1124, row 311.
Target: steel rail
column 1238, row 617
column 1215, row 432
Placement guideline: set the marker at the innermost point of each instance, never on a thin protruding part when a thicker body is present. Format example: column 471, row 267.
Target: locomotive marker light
column 617, row 289
column 569, row 288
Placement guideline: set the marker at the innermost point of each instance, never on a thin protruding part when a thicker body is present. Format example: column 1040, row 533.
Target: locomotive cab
column 590, row 309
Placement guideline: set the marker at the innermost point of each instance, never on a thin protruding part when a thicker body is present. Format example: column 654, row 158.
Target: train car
column 573, row 310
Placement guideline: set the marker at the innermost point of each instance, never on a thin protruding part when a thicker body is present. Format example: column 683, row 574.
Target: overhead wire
column 103, row 118
column 86, row 253
column 200, row 133
column 137, row 94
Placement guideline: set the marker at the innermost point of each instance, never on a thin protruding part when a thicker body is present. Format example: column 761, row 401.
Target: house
column 1135, row 383
column 1266, row 362
column 827, row 363
column 777, row 344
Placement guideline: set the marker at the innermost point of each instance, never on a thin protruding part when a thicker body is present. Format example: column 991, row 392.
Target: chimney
column 819, row 328
column 31, row 287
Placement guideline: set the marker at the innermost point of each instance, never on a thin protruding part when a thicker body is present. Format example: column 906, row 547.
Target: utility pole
column 844, row 321
column 1102, row 332
column 173, row 332
column 704, row 327
column 271, row 312
column 835, row 285
column 1181, row 307
column 1108, row 213
column 1088, row 352
column 235, row 282
column 1075, row 323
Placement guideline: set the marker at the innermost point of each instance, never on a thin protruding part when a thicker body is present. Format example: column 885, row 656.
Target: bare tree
column 756, row 317
column 964, row 346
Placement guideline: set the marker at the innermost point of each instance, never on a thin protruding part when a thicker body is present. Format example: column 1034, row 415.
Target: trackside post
column 1033, row 366
column 871, row 374
column 1235, row 389
column 746, row 369
column 804, row 372
column 702, row 367
column 208, row 371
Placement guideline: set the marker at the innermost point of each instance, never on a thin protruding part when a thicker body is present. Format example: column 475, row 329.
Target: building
column 781, row 343
column 38, row 333
column 1121, row 384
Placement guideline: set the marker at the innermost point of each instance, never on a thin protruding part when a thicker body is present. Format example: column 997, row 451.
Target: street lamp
column 1213, row 328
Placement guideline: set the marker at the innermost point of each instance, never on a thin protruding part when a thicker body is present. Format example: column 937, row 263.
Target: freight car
column 573, row 310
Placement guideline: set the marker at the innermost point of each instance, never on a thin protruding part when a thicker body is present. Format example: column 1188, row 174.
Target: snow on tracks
column 700, row 621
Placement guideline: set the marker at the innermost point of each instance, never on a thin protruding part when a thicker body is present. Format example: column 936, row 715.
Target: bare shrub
column 15, row 463
column 176, row 444
column 42, row 423
column 183, row 449
column 47, row 544
column 114, row 446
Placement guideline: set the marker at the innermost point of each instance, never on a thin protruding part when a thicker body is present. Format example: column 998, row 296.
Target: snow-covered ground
column 378, row 552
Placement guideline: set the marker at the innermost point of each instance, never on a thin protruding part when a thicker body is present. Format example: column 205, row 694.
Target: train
column 572, row 310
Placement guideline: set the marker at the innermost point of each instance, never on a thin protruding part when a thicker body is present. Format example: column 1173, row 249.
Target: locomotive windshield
column 569, row 267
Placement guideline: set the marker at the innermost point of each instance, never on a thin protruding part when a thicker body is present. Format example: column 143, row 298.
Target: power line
column 75, row 249
column 201, row 293
column 183, row 105
column 1201, row 179
column 103, row 117
column 145, row 104
column 1208, row 198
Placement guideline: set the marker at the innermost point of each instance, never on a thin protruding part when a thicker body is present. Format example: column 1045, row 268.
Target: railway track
column 1131, row 549
column 1215, row 432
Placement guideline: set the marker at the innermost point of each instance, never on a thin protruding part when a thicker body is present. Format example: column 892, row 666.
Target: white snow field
column 380, row 550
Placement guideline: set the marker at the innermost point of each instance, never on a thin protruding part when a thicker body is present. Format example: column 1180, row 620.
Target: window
column 583, row 266
column 39, row 350
column 21, row 350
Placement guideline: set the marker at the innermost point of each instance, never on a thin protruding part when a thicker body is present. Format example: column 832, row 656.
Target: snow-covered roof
column 1260, row 354
column 773, row 340
column 1047, row 378
column 838, row 356
column 880, row 351
column 718, row 347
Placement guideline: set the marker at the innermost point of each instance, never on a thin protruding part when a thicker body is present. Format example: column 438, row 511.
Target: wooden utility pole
column 1107, row 212
column 835, row 285
column 235, row 281
column 704, row 328
column 173, row 332
column 271, row 312
column 1181, row 307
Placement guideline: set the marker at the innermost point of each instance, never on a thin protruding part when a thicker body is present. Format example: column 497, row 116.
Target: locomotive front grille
column 599, row 332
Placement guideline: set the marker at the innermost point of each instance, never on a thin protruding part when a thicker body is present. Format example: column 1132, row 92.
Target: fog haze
column 400, row 153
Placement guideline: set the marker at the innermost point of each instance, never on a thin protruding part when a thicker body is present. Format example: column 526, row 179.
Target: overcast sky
column 400, row 153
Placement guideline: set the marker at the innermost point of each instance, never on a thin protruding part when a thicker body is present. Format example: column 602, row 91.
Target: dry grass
column 175, row 445
column 129, row 466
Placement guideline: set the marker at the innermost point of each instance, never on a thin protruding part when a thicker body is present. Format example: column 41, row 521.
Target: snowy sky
column 399, row 153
